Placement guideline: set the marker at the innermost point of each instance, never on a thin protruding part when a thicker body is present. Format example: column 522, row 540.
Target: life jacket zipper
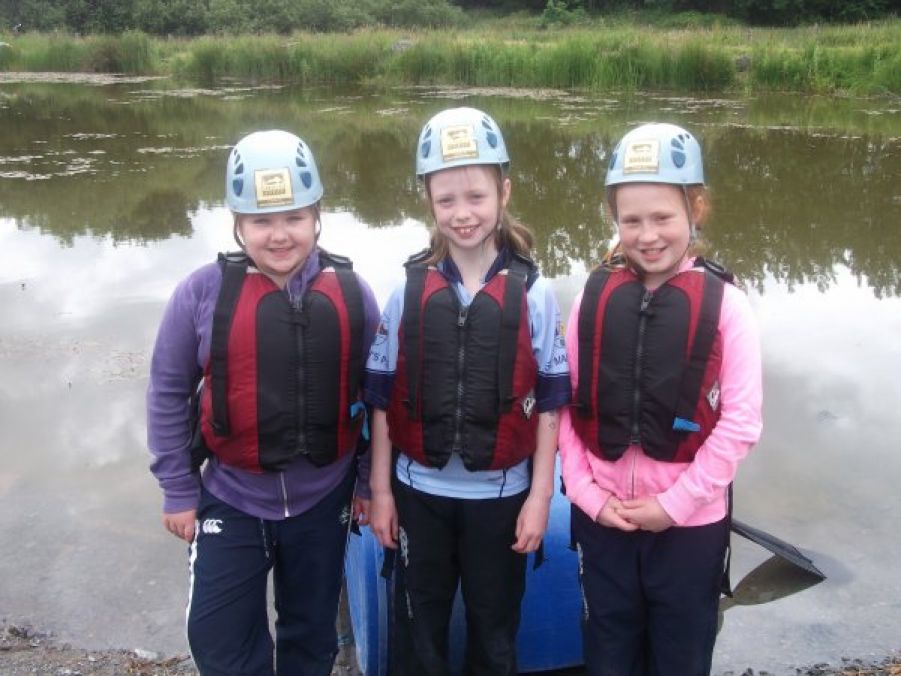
column 461, row 359
column 636, row 373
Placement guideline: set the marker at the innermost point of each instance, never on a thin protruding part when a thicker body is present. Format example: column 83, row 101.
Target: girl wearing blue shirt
column 465, row 376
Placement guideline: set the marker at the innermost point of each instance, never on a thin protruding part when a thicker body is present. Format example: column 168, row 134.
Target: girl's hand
column 531, row 524
column 181, row 524
column 610, row 515
column 360, row 509
column 646, row 513
column 383, row 519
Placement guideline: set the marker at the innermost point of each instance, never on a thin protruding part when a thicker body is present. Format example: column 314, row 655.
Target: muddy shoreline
column 26, row 650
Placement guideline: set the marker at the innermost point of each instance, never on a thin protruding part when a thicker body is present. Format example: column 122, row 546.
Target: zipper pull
column 645, row 301
column 461, row 316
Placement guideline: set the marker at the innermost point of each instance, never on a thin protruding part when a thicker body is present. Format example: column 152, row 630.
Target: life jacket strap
column 416, row 276
column 511, row 316
column 353, row 300
column 705, row 334
column 234, row 267
column 588, row 311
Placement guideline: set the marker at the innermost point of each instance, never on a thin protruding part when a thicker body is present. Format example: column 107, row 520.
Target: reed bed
column 132, row 52
column 858, row 59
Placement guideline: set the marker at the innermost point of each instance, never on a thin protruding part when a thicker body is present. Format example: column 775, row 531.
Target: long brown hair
column 510, row 233
column 697, row 202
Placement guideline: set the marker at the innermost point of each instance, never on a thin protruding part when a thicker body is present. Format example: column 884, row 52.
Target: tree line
column 197, row 17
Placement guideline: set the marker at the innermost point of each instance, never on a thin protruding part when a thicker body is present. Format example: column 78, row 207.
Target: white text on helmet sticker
column 458, row 143
column 273, row 187
column 642, row 157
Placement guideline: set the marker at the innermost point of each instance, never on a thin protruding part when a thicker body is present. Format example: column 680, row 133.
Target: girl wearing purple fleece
column 276, row 337
column 667, row 398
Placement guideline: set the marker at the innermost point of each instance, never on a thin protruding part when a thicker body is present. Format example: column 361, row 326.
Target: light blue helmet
column 458, row 137
column 656, row 153
column 271, row 171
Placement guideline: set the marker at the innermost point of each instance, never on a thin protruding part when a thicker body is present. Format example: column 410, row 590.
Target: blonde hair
column 510, row 233
column 697, row 203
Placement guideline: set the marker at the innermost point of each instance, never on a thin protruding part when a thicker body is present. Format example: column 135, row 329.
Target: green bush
column 7, row 55
column 698, row 67
column 887, row 74
column 560, row 13
column 417, row 13
column 228, row 16
column 60, row 53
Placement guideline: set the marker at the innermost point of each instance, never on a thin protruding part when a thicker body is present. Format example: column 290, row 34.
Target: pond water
column 111, row 192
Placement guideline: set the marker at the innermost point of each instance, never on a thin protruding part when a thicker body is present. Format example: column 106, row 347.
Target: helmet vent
column 238, row 186
column 237, row 162
column 487, row 124
column 427, row 133
column 491, row 137
column 306, row 178
column 677, row 152
column 425, row 149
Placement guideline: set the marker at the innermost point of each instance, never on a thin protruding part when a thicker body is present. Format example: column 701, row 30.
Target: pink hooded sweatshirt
column 694, row 493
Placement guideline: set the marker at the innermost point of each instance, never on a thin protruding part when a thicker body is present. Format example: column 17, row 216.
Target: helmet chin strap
column 692, row 228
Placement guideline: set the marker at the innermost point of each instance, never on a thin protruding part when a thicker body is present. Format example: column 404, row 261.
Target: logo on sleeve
column 381, row 333
column 713, row 396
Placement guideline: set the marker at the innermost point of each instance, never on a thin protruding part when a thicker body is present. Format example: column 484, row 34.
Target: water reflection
column 794, row 197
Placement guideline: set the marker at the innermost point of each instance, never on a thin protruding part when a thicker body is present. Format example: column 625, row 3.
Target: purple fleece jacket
column 179, row 356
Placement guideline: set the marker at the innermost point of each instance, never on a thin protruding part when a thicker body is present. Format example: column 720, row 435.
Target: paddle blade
column 779, row 547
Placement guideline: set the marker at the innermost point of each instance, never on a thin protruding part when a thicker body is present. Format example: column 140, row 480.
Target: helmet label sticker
column 458, row 143
column 273, row 187
column 642, row 157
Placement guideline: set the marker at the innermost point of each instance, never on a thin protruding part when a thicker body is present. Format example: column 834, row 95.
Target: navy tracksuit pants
column 650, row 599
column 231, row 557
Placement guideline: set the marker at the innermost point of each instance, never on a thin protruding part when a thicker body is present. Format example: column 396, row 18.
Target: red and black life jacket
column 649, row 362
column 465, row 379
column 283, row 379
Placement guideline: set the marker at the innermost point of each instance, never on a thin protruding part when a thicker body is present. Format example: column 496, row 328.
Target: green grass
column 131, row 52
column 301, row 58
column 602, row 53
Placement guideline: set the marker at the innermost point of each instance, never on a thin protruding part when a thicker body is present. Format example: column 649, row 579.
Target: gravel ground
column 23, row 650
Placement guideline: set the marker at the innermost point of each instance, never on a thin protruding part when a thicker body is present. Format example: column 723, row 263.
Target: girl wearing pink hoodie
column 665, row 359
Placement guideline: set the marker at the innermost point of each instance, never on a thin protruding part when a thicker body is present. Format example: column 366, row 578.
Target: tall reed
column 861, row 59
column 131, row 52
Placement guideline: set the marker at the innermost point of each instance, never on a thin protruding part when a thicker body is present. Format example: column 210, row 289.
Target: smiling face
column 467, row 204
column 654, row 229
column 278, row 243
